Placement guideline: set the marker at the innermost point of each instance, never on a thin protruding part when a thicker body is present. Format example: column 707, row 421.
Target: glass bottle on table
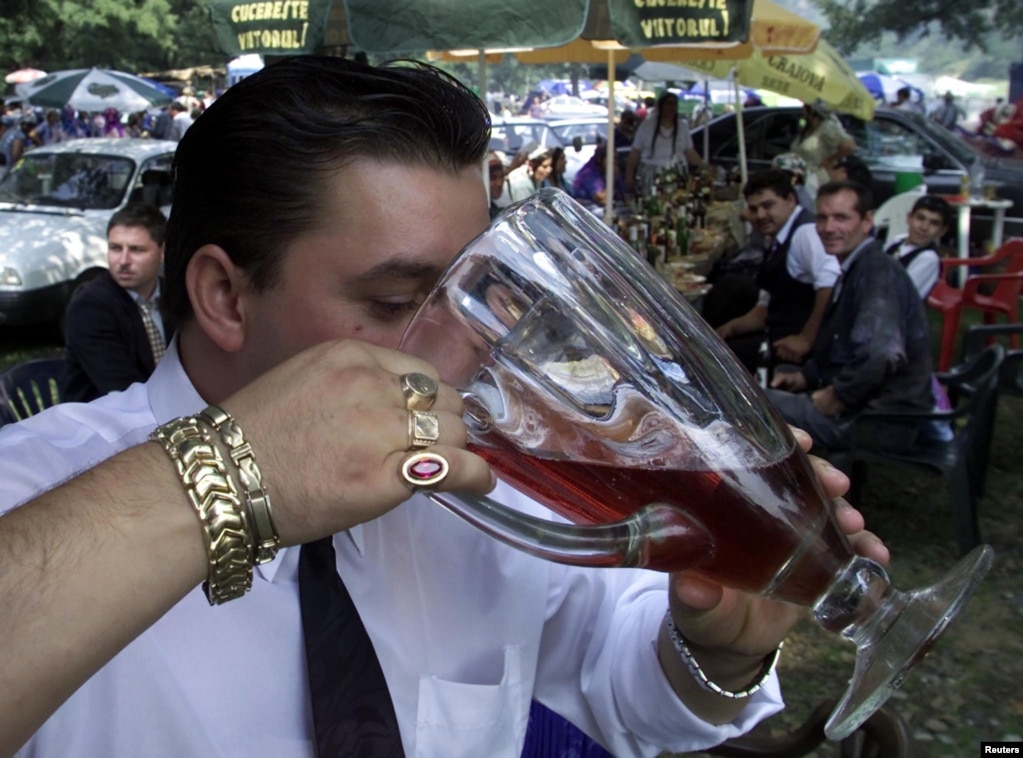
column 682, row 230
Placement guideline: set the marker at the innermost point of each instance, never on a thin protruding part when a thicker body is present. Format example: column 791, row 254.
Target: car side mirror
column 577, row 144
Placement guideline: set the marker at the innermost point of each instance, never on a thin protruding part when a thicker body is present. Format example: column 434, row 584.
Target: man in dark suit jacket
column 108, row 345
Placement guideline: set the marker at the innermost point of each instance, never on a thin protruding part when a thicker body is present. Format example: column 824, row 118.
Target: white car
column 54, row 207
column 569, row 106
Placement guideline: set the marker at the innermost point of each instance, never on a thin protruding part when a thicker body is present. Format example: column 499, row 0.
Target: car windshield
column 69, row 180
column 961, row 151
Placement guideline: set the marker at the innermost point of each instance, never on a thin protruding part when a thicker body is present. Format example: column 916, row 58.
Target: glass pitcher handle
column 657, row 535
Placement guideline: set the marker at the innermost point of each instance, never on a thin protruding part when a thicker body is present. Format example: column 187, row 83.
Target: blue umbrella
column 883, row 87
column 164, row 88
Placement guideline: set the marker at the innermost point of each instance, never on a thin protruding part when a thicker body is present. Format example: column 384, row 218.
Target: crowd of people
column 23, row 126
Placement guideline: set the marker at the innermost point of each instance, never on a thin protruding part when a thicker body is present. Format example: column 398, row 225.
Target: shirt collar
column 786, row 230
column 851, row 258
column 153, row 299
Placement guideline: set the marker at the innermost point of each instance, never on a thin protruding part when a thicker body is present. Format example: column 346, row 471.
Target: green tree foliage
column 856, row 23
column 129, row 35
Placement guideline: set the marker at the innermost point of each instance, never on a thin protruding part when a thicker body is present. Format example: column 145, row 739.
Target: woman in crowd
column 113, row 127
column 662, row 140
column 556, row 178
column 822, row 142
column 590, row 186
column 527, row 178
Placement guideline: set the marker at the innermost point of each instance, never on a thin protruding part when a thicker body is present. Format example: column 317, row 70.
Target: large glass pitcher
column 592, row 386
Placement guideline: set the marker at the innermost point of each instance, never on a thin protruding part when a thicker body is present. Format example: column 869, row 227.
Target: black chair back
column 962, row 460
column 1011, row 376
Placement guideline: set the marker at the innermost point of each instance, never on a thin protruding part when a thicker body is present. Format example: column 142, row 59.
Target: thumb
column 695, row 595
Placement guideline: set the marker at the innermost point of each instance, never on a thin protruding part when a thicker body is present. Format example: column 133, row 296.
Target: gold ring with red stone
column 422, row 471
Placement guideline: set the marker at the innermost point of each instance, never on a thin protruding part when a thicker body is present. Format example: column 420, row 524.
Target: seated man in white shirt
column 317, row 203
column 919, row 250
column 795, row 277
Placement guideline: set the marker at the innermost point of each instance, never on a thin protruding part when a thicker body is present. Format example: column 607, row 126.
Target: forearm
column 813, row 322
column 752, row 321
column 86, row 568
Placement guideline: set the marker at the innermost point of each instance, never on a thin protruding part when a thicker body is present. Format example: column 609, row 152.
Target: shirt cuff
column 665, row 713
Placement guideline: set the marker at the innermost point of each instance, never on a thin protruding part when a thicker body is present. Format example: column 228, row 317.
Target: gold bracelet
column 211, row 491
column 267, row 543
column 770, row 661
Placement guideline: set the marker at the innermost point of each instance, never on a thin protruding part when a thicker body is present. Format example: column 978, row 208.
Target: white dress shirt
column 806, row 261
column 924, row 269
column 467, row 629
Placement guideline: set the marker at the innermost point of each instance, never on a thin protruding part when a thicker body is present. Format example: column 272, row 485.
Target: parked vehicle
column 510, row 135
column 887, row 144
column 569, row 106
column 54, row 208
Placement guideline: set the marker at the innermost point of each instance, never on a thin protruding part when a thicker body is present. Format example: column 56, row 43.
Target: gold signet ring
column 424, row 470
column 423, row 429
column 419, row 390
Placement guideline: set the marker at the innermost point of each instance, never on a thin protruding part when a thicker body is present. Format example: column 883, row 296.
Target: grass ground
column 968, row 689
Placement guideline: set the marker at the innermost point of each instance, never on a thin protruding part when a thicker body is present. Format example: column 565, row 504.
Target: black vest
column 791, row 300
column 893, row 252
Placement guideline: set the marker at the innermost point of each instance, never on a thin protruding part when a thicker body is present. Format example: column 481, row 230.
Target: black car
column 881, row 143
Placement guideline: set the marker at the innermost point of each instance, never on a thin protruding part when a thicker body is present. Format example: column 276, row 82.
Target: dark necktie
column 352, row 709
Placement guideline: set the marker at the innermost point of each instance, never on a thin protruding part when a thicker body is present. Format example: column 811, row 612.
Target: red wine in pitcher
column 771, row 527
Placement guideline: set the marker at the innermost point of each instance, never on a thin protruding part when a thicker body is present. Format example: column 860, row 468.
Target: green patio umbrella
column 411, row 26
column 93, row 90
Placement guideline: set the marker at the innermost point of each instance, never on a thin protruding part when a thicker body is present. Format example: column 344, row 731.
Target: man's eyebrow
column 398, row 269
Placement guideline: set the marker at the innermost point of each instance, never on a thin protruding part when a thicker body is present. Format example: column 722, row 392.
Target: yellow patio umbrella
column 822, row 74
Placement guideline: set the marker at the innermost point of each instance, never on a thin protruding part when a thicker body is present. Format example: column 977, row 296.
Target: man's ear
column 215, row 286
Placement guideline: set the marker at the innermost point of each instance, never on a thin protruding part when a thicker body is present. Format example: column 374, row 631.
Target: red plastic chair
column 1004, row 300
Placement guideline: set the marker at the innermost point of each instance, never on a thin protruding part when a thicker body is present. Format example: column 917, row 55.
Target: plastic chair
column 29, row 387
column 1010, row 377
column 973, row 390
column 893, row 211
column 883, row 735
column 1004, row 300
